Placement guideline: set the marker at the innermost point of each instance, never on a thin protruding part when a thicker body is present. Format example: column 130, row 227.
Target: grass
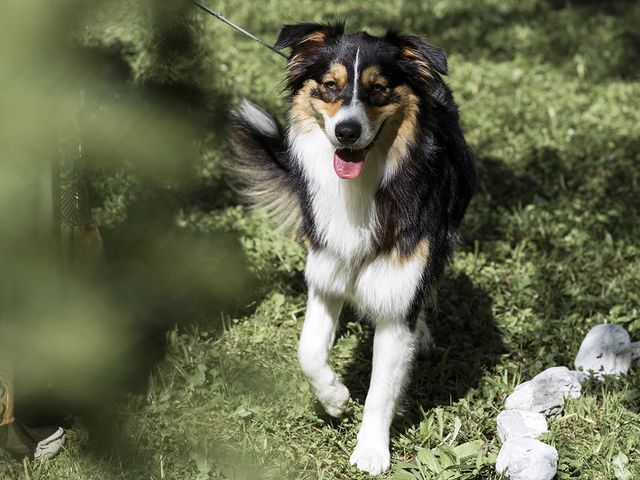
column 550, row 102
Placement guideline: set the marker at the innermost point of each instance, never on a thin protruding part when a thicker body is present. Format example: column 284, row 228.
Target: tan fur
column 306, row 108
column 400, row 131
column 302, row 112
column 318, row 37
column 376, row 114
column 306, row 242
column 330, row 108
column 423, row 67
column 338, row 73
column 421, row 252
column 371, row 75
column 303, row 47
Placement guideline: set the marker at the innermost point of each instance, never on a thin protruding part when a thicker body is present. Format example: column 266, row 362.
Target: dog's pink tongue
column 348, row 163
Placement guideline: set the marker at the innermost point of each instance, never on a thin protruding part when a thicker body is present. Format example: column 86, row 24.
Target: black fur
column 430, row 194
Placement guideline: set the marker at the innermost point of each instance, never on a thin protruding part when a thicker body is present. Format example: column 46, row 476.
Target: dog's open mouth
column 348, row 163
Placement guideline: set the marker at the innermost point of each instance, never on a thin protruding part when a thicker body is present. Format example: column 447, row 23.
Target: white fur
column 356, row 74
column 343, row 210
column 353, row 112
column 260, row 119
column 384, row 288
column 380, row 287
column 316, row 340
column 327, row 273
column 394, row 348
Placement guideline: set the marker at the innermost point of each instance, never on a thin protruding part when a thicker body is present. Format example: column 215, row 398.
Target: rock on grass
column 546, row 392
column 527, row 459
column 520, row 424
column 606, row 350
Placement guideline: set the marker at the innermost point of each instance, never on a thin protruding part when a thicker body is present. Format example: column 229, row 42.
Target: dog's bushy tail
column 260, row 169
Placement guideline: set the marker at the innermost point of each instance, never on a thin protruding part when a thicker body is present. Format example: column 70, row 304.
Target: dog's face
column 351, row 85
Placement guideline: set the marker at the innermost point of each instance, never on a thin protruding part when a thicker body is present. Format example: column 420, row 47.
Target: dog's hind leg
column 427, row 345
column 316, row 340
column 395, row 345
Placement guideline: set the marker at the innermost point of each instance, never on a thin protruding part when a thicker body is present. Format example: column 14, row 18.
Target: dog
column 375, row 172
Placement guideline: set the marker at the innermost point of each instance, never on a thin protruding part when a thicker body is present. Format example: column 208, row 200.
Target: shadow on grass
column 467, row 346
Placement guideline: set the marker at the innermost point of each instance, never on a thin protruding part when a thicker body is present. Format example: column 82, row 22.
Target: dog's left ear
column 427, row 56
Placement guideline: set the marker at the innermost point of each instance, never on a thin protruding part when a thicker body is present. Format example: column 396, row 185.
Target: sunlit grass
column 550, row 103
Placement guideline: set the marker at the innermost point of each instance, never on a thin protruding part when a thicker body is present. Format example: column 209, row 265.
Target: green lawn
column 549, row 95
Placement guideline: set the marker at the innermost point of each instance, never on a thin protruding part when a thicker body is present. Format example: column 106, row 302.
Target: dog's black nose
column 348, row 132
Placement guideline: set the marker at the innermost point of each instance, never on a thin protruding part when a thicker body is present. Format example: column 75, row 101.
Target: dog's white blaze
column 355, row 76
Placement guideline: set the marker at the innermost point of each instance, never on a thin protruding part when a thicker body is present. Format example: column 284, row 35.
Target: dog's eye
column 378, row 88
column 330, row 85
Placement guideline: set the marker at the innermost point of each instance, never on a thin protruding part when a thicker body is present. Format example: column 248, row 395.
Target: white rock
column 562, row 376
column 520, row 424
column 546, row 392
column 606, row 350
column 579, row 376
column 527, row 459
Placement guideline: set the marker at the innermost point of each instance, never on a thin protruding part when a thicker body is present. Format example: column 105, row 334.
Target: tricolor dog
column 375, row 171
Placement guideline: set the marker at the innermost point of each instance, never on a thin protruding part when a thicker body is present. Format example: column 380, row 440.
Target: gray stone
column 579, row 376
column 606, row 350
column 527, row 459
column 520, row 424
column 546, row 392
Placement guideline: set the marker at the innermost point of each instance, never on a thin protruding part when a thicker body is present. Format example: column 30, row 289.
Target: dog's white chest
column 344, row 211
column 345, row 217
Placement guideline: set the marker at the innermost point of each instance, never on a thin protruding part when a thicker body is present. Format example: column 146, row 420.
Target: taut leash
column 223, row 19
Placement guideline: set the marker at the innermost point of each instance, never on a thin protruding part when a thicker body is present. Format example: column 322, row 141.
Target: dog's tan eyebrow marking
column 372, row 75
column 337, row 72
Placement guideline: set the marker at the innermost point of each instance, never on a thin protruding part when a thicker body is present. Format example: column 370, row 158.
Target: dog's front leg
column 394, row 348
column 316, row 340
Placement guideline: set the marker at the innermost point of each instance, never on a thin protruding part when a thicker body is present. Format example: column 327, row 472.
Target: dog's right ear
column 307, row 35
column 305, row 41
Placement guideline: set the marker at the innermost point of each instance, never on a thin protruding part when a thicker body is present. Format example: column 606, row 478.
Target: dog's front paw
column 371, row 457
column 334, row 398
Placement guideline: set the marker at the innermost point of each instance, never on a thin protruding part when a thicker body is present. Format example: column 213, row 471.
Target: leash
column 223, row 19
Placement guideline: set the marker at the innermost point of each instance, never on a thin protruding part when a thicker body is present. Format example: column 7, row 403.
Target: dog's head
column 351, row 85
